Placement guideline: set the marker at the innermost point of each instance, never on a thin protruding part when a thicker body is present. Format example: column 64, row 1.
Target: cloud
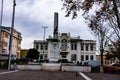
column 31, row 15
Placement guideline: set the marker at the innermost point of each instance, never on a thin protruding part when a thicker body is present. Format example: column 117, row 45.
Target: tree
column 32, row 54
column 105, row 13
column 113, row 52
column 100, row 31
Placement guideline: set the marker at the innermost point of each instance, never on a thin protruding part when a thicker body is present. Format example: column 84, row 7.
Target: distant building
column 23, row 53
column 4, row 41
column 109, row 48
column 71, row 48
column 107, row 62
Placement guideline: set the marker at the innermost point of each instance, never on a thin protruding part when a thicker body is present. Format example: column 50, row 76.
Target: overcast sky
column 31, row 15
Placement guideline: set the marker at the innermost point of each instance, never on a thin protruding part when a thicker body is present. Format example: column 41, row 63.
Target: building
column 71, row 48
column 23, row 53
column 4, row 41
column 107, row 62
column 63, row 46
column 109, row 48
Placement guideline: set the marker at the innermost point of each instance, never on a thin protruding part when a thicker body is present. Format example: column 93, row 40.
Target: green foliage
column 118, row 49
column 95, row 69
column 114, row 52
column 109, row 56
column 32, row 54
column 3, row 64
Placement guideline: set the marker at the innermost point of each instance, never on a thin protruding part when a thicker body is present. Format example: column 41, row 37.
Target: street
column 54, row 75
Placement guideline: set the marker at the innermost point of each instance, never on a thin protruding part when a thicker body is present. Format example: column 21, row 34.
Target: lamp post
column 11, row 35
column 44, row 27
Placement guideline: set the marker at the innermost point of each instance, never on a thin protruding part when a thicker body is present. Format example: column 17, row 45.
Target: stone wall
column 52, row 67
column 77, row 68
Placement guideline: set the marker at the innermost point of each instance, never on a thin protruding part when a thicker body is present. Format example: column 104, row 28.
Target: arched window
column 64, row 44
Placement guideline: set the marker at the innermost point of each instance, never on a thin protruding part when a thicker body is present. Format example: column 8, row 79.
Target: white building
column 71, row 48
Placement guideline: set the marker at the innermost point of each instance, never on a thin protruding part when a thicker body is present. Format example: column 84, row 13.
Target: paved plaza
column 40, row 75
column 55, row 75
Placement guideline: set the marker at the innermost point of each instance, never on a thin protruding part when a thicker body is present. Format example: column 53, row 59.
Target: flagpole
column 1, row 14
column 1, row 17
column 11, row 35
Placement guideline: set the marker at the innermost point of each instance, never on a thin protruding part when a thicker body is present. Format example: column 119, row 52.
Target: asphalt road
column 54, row 75
column 40, row 75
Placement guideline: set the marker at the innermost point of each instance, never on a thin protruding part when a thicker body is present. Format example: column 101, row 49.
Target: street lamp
column 44, row 27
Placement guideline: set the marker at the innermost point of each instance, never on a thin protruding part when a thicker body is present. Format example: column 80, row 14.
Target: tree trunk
column 101, row 67
column 116, row 13
column 101, row 52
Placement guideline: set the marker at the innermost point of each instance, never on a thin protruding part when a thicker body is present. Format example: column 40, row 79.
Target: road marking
column 84, row 76
column 8, row 72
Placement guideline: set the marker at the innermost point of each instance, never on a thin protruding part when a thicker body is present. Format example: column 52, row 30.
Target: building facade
column 107, row 62
column 109, row 48
column 4, row 41
column 71, row 48
column 23, row 53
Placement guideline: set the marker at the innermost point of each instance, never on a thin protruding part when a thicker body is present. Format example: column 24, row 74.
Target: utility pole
column 44, row 41
column 11, row 35
column 1, row 17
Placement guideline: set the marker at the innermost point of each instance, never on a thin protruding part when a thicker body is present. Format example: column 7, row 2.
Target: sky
column 31, row 15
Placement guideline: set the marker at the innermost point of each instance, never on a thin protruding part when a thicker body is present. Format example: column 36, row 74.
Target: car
column 93, row 63
column 115, row 64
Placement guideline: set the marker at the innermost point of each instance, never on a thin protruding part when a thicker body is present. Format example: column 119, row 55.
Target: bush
column 111, row 69
column 95, row 69
column 41, row 61
column 3, row 64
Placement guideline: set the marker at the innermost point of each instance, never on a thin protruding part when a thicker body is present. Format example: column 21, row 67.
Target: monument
column 54, row 50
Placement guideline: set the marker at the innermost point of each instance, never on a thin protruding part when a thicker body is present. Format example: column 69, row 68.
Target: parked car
column 93, row 63
column 115, row 64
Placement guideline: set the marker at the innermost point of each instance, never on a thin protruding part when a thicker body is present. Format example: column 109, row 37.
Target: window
column 87, row 57
column 73, row 57
column 41, row 56
column 41, row 46
column 73, row 46
column 91, row 47
column 105, row 62
column 45, row 56
column 64, row 44
column 82, row 47
column 6, row 35
column 91, row 57
column 37, row 47
column 86, row 47
column 5, row 44
column 19, row 48
column 82, row 57
column 46, row 47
